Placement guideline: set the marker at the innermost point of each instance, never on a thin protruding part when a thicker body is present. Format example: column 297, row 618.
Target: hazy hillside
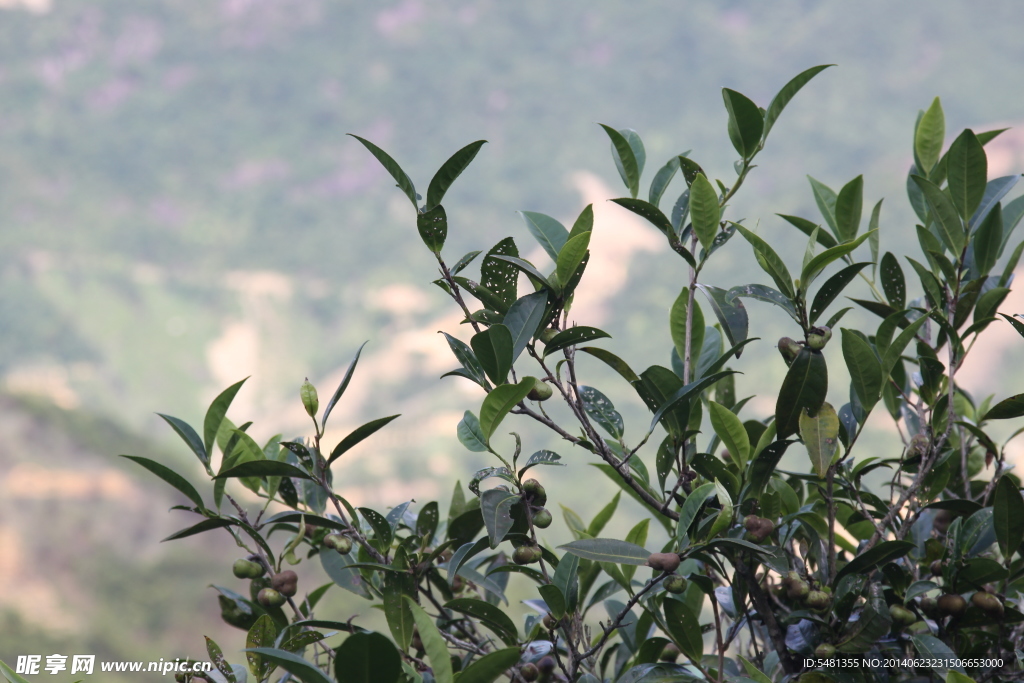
column 182, row 208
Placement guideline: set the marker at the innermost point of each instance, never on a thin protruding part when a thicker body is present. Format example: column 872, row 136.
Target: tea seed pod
column 666, row 562
column 529, row 672
column 541, row 391
column 339, row 542
column 988, row 603
column 542, row 519
column 675, row 584
column 268, row 597
column 285, row 582
column 952, row 605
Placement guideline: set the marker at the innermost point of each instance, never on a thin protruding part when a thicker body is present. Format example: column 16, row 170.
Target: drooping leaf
column 465, row 355
column 865, row 370
column 730, row 312
column 263, row 468
column 498, row 276
column 490, row 667
column 766, row 294
column 894, row 284
column 496, row 506
column 1007, row 408
column 614, row 362
column 1008, row 516
column 500, row 401
column 820, row 435
column 367, row 658
column 528, row 268
column 171, row 477
column 494, row 349
column 492, row 616
column 392, row 167
column 886, row 551
column 470, row 434
column 607, row 550
column 397, row 585
column 804, row 388
column 686, row 393
column 189, row 436
column 684, row 628
column 649, row 211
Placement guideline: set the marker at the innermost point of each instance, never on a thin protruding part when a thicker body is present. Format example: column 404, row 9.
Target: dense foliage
column 756, row 573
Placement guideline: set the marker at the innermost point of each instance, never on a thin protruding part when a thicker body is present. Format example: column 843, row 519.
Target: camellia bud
column 675, row 584
column 666, row 562
column 789, row 348
column 285, row 582
column 541, row 391
column 542, row 519
column 817, row 337
column 268, row 597
column 339, row 542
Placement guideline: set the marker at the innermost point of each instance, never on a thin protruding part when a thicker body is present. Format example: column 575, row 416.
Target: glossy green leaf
column 529, row 269
column 648, row 211
column 832, row 288
column 367, row 658
column 189, row 436
column 358, row 435
column 490, row 667
column 886, row 551
column 684, row 628
column 677, row 326
column 820, row 434
column 966, row 173
column 894, row 284
column 10, row 675
column 554, row 599
column 849, row 205
column 661, row 180
column 766, row 294
column 730, row 429
column 496, row 506
column 895, row 349
column 433, row 643
column 1008, row 516
column 449, row 171
column 602, row 411
column 494, row 348
column 392, row 167
column 396, row 586
column 730, row 313
column 625, row 159
column 929, row 136
column 769, row 262
column 825, row 197
column 865, row 370
column 465, row 552
column 215, row 415
column 685, row 394
column 822, row 260
column 808, row 228
column 614, row 362
column 1007, row 408
column 607, row 550
column 470, row 434
column 551, row 234
column 381, row 527
column 263, row 468
column 433, row 228
column 465, row 355
column 763, row 465
column 705, row 213
column 951, row 230
column 787, row 93
column 572, row 337
column 171, row 477
column 201, row 527
column 570, row 257
column 746, row 123
column 492, row 616
column 987, row 241
column 804, row 388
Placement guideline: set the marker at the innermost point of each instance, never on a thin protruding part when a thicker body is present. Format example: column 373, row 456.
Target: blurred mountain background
column 182, row 209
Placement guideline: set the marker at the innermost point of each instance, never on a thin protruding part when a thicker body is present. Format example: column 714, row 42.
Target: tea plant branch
column 609, row 629
column 764, row 610
column 718, row 636
column 455, row 293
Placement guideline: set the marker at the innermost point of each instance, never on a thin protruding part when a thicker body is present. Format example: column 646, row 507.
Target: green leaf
column 572, row 337
column 449, row 171
column 392, row 167
column 359, row 434
column 189, row 436
column 399, row 617
column 1008, row 516
column 769, row 262
column 822, row 260
column 490, row 667
column 746, row 123
column 344, row 384
column 203, row 526
column 987, row 240
column 219, row 663
column 692, row 505
column 215, row 415
column 763, row 465
column 820, row 435
column 499, row 402
column 928, row 138
column 584, row 222
column 433, row 228
column 808, row 228
column 603, row 517
column 469, row 361
column 542, row 457
column 263, row 468
column 529, row 269
column 381, row 527
column 494, row 348
column 261, row 634
column 308, row 673
column 677, row 327
column 491, row 615
column 367, row 658
column 730, row 429
column 551, row 234
column 895, row 349
column 496, row 506
column 849, row 205
column 825, row 198
column 171, row 477
column 499, row 277
column 626, row 160
column 804, row 388
column 931, row 648
column 649, row 211
column 684, row 628
column 832, row 288
column 470, row 434
column 894, row 284
column 1007, row 408
column 661, row 180
column 886, row 551
column 433, row 643
column 730, row 313
column 607, row 550
column 966, row 173
column 602, row 411
column 766, row 294
column 951, row 229
column 705, row 213
column 9, row 674
column 787, row 93
column 865, row 370
column 570, row 257
column 614, row 362
column 685, row 393
column 337, row 567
